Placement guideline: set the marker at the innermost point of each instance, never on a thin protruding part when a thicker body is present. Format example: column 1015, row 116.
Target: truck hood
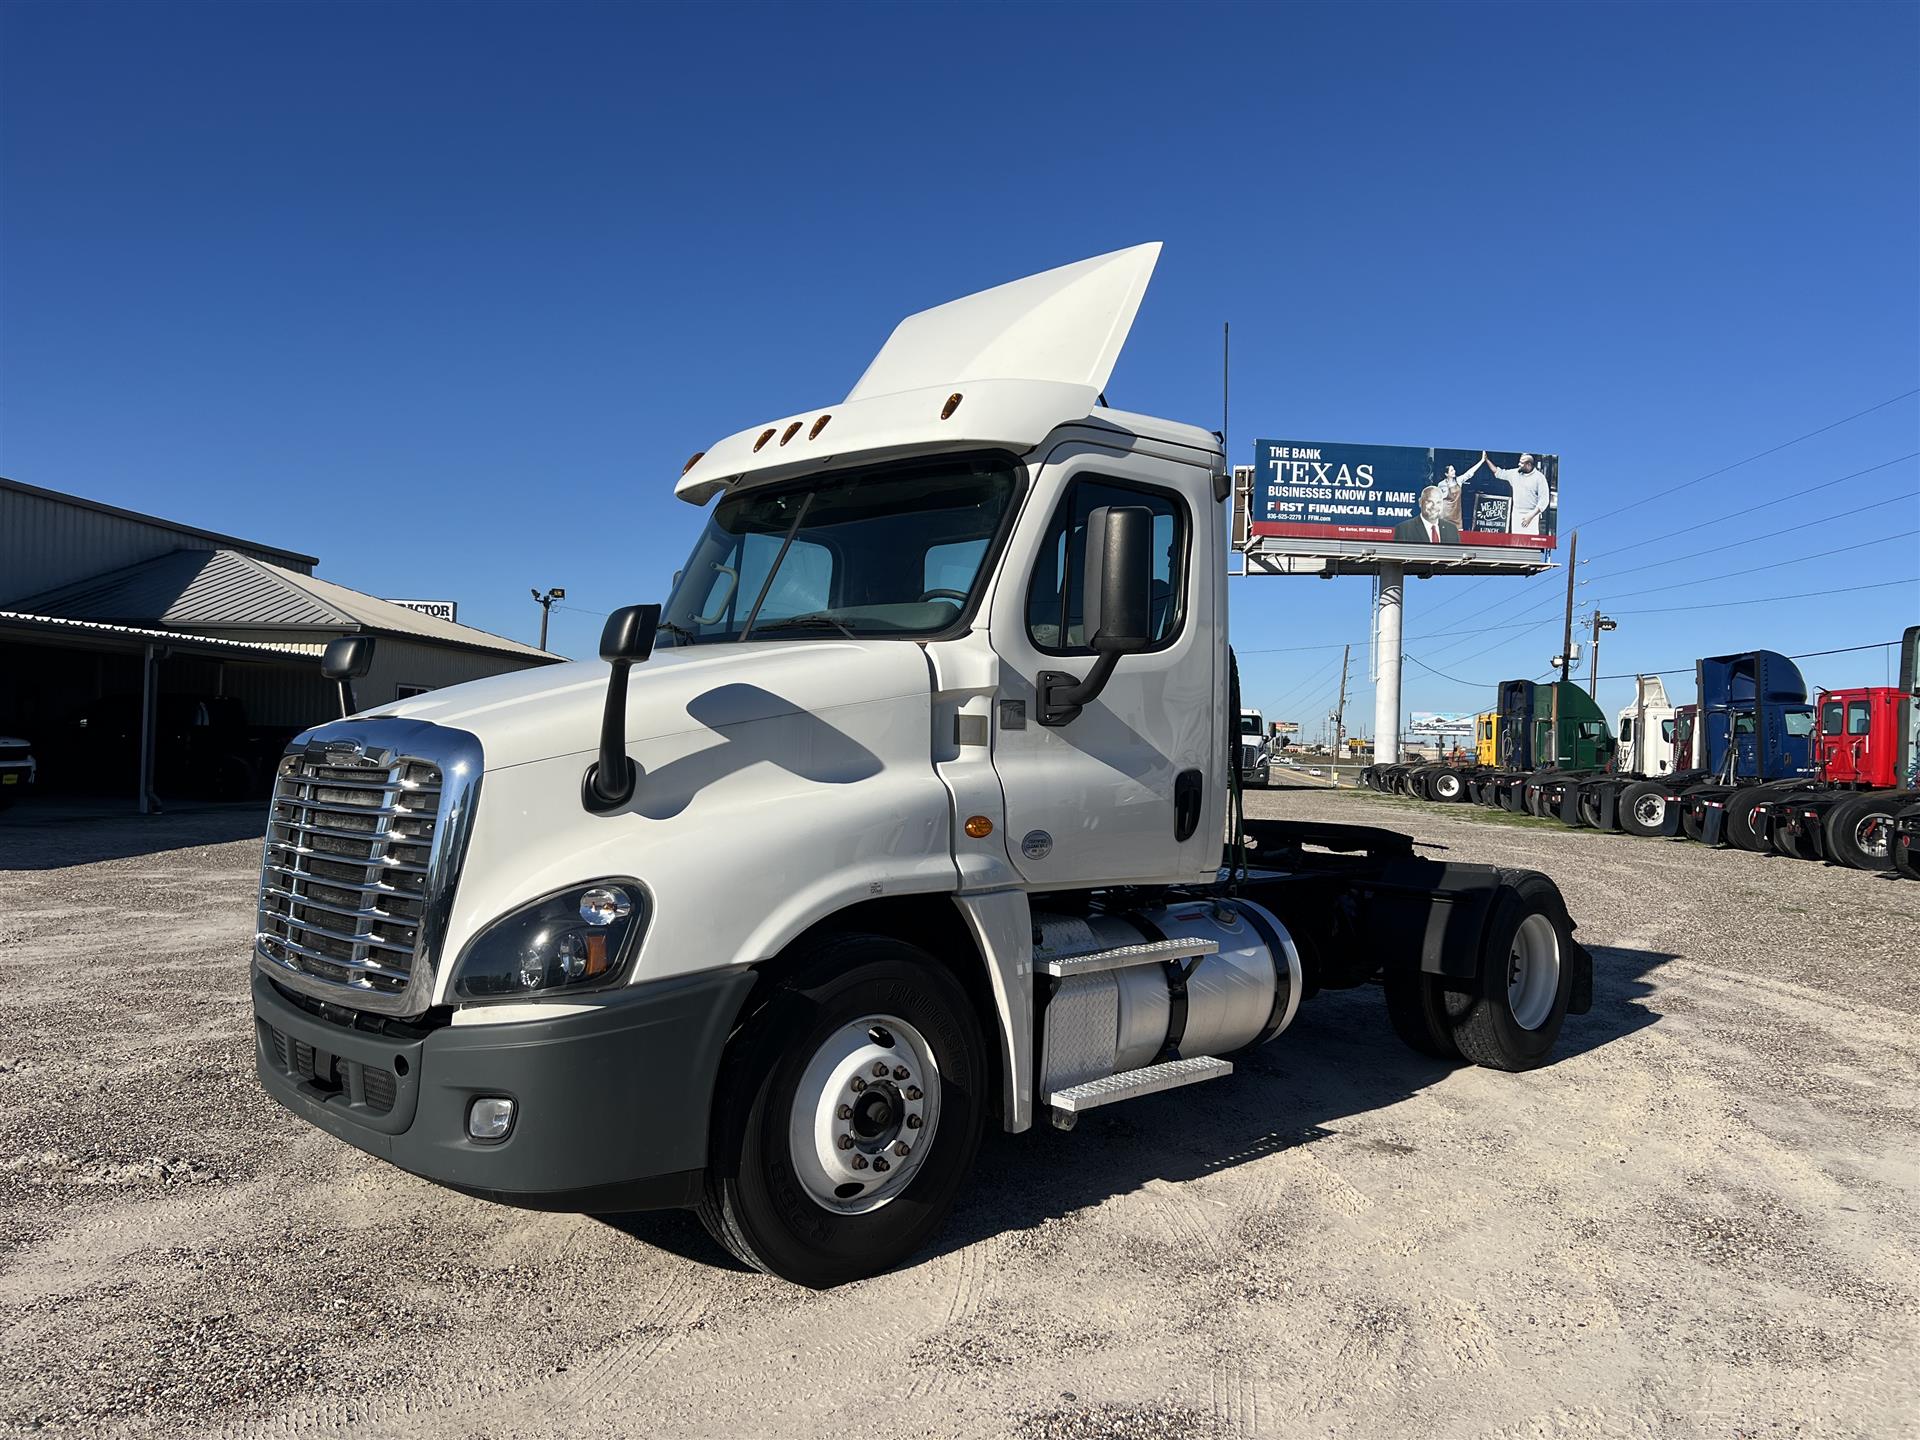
column 554, row 710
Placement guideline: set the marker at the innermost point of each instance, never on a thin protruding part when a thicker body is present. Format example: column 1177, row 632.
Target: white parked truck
column 1256, row 753
column 903, row 818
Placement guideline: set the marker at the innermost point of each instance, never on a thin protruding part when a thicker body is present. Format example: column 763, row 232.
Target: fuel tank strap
column 1176, row 972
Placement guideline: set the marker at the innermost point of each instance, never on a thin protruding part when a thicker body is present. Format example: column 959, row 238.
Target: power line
column 1760, row 455
column 1699, row 479
column 1771, row 599
column 1801, row 493
column 1775, row 565
column 1803, row 655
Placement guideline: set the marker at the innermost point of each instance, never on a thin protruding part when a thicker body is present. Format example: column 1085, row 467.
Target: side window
column 1857, row 721
column 1667, row 731
column 1054, row 599
column 1830, row 718
column 1626, row 731
column 407, row 692
column 1743, row 723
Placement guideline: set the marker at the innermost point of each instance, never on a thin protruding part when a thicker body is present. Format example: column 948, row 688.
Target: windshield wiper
column 814, row 620
column 673, row 629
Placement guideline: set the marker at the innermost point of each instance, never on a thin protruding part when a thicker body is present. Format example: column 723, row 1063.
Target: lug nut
column 879, row 1069
column 913, row 1092
column 845, row 1112
column 860, row 1162
column 880, row 1163
column 846, row 1142
column 858, row 1085
column 899, row 1072
column 914, row 1122
column 901, row 1147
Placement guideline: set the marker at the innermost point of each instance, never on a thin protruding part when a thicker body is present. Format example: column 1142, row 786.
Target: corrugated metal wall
column 44, row 543
column 395, row 663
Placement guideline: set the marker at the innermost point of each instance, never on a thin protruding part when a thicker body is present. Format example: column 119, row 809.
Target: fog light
column 490, row 1118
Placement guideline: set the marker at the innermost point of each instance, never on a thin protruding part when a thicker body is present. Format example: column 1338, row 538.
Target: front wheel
column 855, row 1100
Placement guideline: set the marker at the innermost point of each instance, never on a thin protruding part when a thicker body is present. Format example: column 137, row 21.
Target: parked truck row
column 1753, row 762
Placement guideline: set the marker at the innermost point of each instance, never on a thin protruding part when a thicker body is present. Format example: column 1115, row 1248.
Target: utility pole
column 1340, row 715
column 545, row 602
column 1566, row 644
column 1597, row 624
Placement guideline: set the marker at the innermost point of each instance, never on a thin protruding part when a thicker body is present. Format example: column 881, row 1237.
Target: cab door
column 1123, row 792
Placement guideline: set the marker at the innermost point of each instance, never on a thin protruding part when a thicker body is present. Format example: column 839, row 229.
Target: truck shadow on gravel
column 1324, row 1081
column 52, row 837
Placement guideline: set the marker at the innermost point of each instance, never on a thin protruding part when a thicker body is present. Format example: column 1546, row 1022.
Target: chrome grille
column 362, row 843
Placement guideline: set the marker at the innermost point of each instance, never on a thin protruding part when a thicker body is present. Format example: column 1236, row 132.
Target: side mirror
column 1117, row 601
column 626, row 641
column 1116, row 607
column 347, row 659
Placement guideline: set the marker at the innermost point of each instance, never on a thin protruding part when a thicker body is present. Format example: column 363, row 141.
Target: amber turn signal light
column 979, row 826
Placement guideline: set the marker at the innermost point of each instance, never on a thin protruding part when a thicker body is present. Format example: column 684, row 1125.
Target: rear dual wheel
column 1859, row 832
column 1509, row 1015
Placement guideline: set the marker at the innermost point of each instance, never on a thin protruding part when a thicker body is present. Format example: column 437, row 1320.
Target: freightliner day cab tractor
column 1256, row 756
column 1867, row 752
column 905, row 817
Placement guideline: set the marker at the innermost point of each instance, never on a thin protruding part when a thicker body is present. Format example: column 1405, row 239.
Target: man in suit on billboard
column 1429, row 527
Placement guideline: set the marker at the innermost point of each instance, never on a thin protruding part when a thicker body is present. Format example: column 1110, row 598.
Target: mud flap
column 1713, row 823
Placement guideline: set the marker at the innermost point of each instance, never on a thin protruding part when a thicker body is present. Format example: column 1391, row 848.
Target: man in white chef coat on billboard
column 1530, row 497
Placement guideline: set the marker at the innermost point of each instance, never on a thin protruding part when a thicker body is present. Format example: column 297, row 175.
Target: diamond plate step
column 1148, row 952
column 1169, row 1075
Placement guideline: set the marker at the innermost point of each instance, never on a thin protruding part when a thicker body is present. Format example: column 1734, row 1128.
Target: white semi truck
column 903, row 818
column 1256, row 749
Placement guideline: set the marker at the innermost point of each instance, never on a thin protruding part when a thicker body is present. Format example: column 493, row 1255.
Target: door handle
column 1188, row 786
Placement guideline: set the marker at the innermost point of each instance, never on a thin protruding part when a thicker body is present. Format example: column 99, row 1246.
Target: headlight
column 582, row 938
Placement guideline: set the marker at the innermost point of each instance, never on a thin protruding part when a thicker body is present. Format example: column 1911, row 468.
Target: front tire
column 1643, row 809
column 853, row 1108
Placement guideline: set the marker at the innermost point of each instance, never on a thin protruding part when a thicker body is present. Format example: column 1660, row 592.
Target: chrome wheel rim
column 1874, row 835
column 1650, row 810
column 864, row 1114
column 1533, row 971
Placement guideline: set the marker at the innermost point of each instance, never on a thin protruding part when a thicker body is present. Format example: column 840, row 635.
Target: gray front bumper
column 612, row 1104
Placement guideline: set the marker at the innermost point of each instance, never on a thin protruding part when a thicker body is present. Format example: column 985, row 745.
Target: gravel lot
column 1700, row 1221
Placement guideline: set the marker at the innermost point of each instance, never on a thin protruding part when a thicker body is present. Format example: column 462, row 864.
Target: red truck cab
column 1858, row 742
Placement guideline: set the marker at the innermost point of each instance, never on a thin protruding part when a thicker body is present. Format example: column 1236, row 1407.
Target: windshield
column 1250, row 724
column 887, row 553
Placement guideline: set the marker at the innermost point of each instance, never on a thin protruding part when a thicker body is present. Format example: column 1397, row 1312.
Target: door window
column 1054, row 601
column 1857, row 721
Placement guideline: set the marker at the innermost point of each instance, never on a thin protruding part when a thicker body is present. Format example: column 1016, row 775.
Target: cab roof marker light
column 953, row 404
column 765, row 435
column 818, row 426
column 698, row 456
column 791, row 431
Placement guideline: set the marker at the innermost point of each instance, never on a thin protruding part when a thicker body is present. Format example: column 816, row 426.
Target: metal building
column 147, row 658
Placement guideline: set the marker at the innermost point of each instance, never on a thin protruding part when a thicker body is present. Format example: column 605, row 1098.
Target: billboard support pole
column 1386, row 676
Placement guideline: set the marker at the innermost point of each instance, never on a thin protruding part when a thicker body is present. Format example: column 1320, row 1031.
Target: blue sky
column 483, row 277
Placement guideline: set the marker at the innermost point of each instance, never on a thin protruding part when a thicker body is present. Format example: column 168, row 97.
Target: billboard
column 1431, row 722
column 1314, row 490
column 1286, row 727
